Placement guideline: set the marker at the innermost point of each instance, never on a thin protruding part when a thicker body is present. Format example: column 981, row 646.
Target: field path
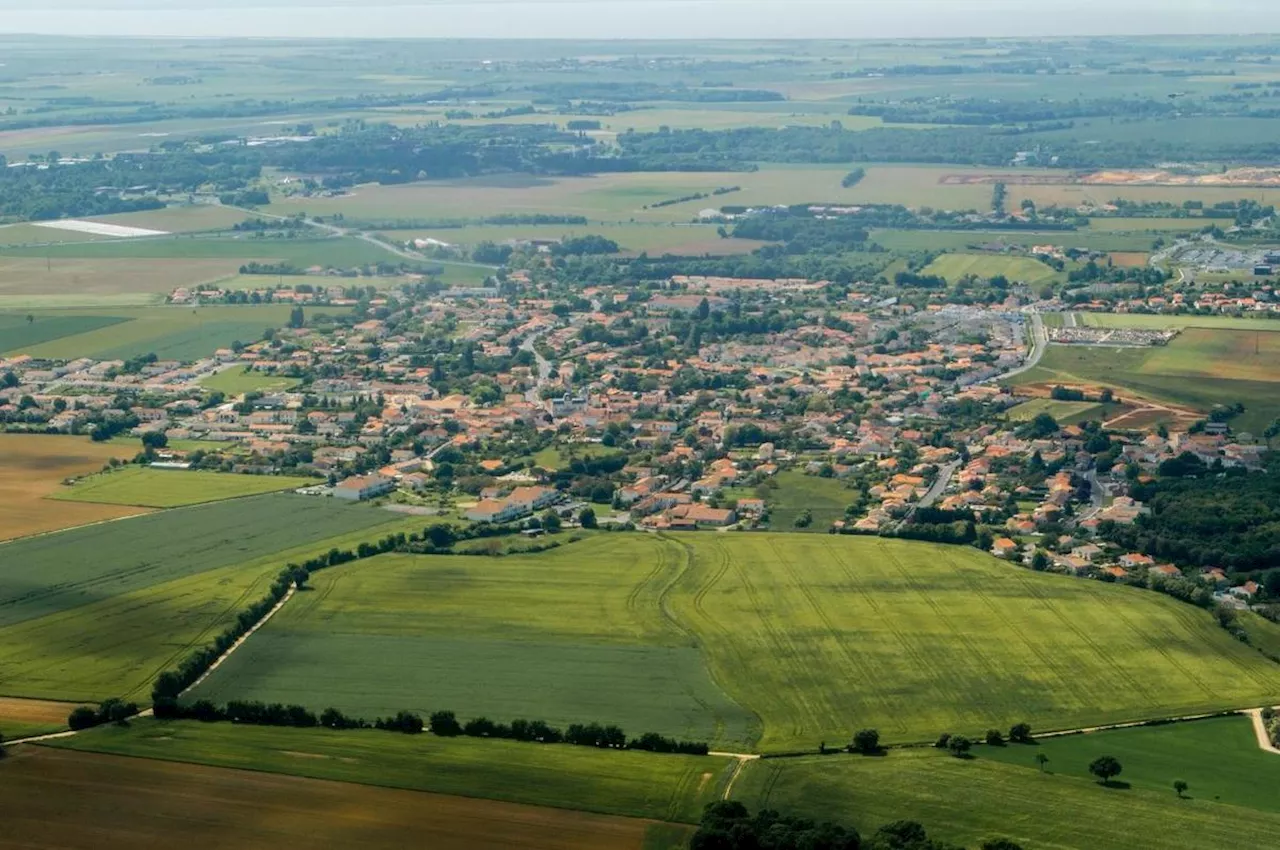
column 742, row 758
column 1260, row 729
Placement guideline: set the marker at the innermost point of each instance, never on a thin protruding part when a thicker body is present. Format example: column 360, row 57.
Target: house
column 360, row 488
column 1133, row 560
column 530, row 499
column 700, row 514
column 1004, row 548
column 493, row 510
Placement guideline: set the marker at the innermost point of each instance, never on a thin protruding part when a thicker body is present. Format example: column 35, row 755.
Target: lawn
column 1219, row 758
column 1066, row 412
column 34, row 465
column 571, row 636
column 813, row 634
column 666, row 787
column 237, row 381
column 176, row 333
column 955, row 266
column 971, row 801
column 173, row 488
column 1201, row 367
column 63, row 798
column 98, row 611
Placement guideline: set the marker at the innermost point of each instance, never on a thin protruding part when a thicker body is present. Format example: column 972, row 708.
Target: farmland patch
column 166, row 488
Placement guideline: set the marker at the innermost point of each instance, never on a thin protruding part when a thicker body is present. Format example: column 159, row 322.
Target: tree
column 445, row 724
column 959, row 746
column 1105, row 768
column 1180, row 786
column 441, row 536
column 587, row 518
column 1020, row 733
column 154, row 440
column 1042, row 760
column 704, row 310
column 551, row 522
column 296, row 318
column 866, row 742
column 994, row 738
column 82, row 718
column 9, row 381
column 1040, row 561
column 1000, row 844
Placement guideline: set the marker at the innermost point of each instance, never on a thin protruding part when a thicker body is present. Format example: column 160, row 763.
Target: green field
column 1159, row 322
column 790, row 493
column 680, row 237
column 303, row 251
column 971, row 801
column 560, row 456
column 1219, row 758
column 815, row 635
column 955, row 266
column 1226, row 366
column 171, row 333
column 664, row 787
column 98, row 611
column 173, row 488
column 237, row 381
column 572, row 638
column 1066, row 412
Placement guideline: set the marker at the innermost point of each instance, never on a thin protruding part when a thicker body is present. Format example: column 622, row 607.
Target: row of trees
column 446, row 725
column 276, row 714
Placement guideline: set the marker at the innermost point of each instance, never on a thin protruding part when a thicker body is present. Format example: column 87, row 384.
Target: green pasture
column 814, row 635
column 169, row 332
column 237, row 381
column 304, row 251
column 560, row 456
column 573, row 636
column 1180, row 321
column 681, row 238
column 955, row 266
column 663, row 787
column 960, row 240
column 1199, row 368
column 790, row 493
column 976, row 800
column 172, row 488
column 1066, row 412
column 100, row 610
column 1219, row 758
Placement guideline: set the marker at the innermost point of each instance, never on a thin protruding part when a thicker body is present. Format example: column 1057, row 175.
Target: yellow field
column 32, row 466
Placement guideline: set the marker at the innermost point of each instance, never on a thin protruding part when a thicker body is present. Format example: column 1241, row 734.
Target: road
column 544, row 367
column 1039, row 342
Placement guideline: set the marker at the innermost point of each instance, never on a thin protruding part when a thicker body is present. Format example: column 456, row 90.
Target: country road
column 1039, row 342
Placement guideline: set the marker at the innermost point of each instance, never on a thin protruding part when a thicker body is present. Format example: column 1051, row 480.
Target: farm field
column 70, row 799
column 1159, row 322
column 970, row 801
column 89, row 613
column 948, row 639
column 177, row 333
column 666, row 787
column 1105, row 224
column 345, row 251
column 955, row 266
column 1066, row 412
column 70, row 281
column 554, row 638
column 1072, row 195
column 237, row 381
column 959, row 240
column 20, row 718
column 656, row 239
column 1219, row 758
column 618, row 197
column 173, row 488
column 32, row 466
column 1231, row 365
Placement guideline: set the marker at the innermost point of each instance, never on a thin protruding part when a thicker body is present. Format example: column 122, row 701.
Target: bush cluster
column 109, row 711
column 277, row 714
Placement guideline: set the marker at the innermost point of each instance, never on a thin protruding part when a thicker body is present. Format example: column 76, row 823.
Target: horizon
column 636, row 20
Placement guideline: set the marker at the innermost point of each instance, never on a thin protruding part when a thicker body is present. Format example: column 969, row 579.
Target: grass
column 65, row 798
column 99, row 611
column 345, row 251
column 664, row 787
column 792, row 493
column 814, row 635
column 1219, row 758
column 1066, row 412
column 86, row 281
column 971, row 801
column 171, row 333
column 955, row 266
column 560, row 456
column 656, row 238
column 1201, row 367
column 1160, row 322
column 172, row 488
column 32, row 466
column 555, row 637
column 237, row 381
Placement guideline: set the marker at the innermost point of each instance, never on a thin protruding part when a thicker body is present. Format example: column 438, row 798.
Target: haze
column 659, row 19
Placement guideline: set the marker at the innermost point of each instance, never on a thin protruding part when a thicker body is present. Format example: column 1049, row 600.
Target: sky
column 644, row 19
